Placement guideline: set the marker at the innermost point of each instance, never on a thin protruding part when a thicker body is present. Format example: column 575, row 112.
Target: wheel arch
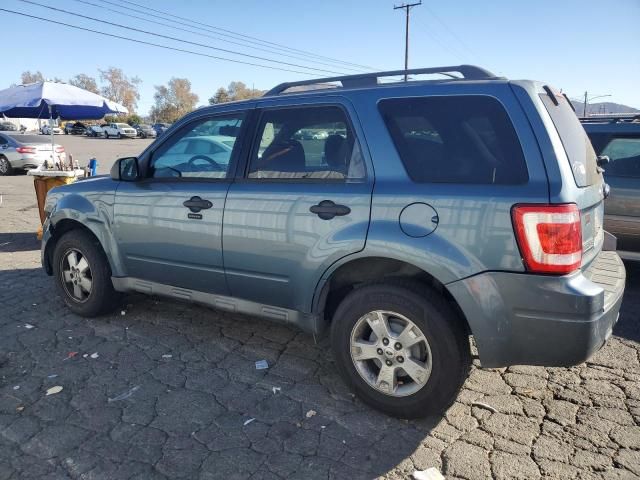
column 61, row 227
column 354, row 273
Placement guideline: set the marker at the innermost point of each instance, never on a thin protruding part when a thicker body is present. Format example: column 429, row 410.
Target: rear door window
column 624, row 156
column 465, row 139
column 313, row 143
column 582, row 157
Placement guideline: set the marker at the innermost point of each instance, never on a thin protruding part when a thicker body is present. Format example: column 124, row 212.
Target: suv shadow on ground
column 173, row 391
column 173, row 388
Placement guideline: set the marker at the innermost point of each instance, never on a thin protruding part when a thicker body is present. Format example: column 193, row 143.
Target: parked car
column 95, row 130
column 618, row 138
column 8, row 127
column 25, row 152
column 145, row 131
column 119, row 130
column 400, row 244
column 47, row 129
column 160, row 128
column 75, row 128
column 321, row 135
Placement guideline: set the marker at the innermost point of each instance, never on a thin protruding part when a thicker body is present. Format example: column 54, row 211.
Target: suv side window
column 624, row 154
column 306, row 143
column 202, row 149
column 456, row 139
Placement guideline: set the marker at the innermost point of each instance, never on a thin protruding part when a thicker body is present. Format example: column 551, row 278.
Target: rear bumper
column 524, row 319
column 28, row 162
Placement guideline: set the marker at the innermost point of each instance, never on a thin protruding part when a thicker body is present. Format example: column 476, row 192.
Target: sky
column 575, row 45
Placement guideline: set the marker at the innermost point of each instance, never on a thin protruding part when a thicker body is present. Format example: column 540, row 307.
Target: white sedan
column 119, row 130
column 46, row 130
column 24, row 152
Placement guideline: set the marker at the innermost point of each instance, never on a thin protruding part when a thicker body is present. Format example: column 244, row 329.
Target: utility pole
column 407, row 7
column 587, row 99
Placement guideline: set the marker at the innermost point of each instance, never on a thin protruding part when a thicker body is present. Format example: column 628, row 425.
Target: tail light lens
column 26, row 149
column 549, row 237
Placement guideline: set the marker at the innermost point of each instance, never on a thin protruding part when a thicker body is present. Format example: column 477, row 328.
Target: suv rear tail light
column 549, row 237
column 26, row 149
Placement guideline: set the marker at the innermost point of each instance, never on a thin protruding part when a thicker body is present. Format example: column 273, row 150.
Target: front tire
column 83, row 275
column 5, row 167
column 401, row 348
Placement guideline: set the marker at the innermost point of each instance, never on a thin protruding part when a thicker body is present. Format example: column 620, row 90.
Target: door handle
column 195, row 204
column 326, row 210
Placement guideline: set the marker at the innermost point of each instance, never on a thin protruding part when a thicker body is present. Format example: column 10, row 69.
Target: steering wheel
column 211, row 161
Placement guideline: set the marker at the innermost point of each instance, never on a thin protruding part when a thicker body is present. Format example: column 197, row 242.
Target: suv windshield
column 580, row 153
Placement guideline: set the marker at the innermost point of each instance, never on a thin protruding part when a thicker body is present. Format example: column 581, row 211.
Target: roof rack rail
column 468, row 72
column 612, row 118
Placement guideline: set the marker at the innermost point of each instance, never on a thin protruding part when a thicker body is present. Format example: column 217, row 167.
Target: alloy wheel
column 76, row 277
column 390, row 353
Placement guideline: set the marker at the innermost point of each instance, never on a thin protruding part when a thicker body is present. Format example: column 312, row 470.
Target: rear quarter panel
column 474, row 232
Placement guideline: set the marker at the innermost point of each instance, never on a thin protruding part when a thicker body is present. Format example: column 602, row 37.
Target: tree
column 221, row 96
column 120, row 88
column 134, row 119
column 85, row 82
column 32, row 77
column 235, row 91
column 173, row 101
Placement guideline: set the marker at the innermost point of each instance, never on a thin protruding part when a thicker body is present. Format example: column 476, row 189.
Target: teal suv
column 402, row 217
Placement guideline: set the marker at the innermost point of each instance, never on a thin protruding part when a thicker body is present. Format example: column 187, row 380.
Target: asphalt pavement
column 162, row 389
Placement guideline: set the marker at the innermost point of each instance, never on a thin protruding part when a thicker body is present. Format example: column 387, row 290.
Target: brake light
column 549, row 237
column 25, row 149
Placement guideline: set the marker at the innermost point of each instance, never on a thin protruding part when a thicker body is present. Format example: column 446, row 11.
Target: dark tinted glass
column 306, row 143
column 576, row 144
column 624, row 156
column 455, row 139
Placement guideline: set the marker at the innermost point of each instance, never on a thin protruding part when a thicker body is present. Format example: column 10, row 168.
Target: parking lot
column 162, row 389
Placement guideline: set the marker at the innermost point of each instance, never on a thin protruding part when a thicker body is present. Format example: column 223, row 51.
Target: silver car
column 26, row 152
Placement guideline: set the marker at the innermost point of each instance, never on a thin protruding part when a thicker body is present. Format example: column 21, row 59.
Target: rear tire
column 106, row 135
column 5, row 167
column 83, row 275
column 435, row 349
column 119, row 136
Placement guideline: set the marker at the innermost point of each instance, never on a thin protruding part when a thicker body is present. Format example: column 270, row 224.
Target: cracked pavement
column 173, row 388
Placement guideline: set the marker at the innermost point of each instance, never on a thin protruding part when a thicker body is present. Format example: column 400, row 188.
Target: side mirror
column 125, row 169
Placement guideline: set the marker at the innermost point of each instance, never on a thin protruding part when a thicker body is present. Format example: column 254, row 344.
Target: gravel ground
column 166, row 390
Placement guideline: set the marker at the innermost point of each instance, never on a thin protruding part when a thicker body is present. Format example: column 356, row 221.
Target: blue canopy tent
column 49, row 100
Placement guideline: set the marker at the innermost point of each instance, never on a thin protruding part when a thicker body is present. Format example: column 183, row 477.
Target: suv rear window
column 455, row 139
column 580, row 153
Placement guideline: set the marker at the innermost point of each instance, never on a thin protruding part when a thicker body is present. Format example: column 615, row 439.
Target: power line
column 219, row 37
column 146, row 32
column 166, row 47
column 434, row 37
column 451, row 32
column 228, row 32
